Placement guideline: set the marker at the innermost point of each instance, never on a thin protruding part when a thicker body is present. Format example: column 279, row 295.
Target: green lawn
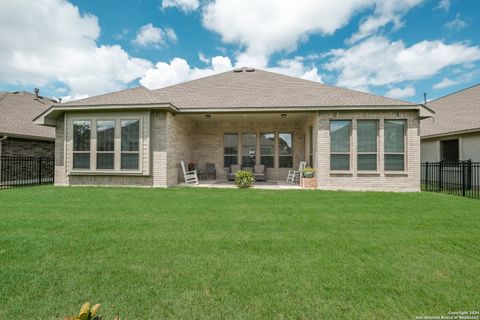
column 236, row 254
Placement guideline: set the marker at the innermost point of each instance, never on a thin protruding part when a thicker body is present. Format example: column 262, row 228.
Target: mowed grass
column 236, row 254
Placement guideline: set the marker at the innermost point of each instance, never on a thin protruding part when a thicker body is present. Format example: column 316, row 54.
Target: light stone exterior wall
column 179, row 140
column 409, row 180
column 61, row 178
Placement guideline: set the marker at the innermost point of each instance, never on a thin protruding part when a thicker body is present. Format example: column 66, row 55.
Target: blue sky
column 398, row 48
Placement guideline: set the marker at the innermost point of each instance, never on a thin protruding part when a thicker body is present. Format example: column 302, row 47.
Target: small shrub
column 308, row 172
column 244, row 179
column 88, row 313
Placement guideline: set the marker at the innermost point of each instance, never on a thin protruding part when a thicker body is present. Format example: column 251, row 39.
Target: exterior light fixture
column 283, row 115
column 208, row 116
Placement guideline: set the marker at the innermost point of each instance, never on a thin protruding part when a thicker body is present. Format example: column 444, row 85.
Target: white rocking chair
column 189, row 176
column 293, row 175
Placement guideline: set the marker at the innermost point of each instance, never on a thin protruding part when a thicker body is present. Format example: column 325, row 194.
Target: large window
column 130, row 144
column 249, row 149
column 394, row 145
column 103, row 143
column 230, row 149
column 285, row 150
column 267, row 149
column 449, row 150
column 81, row 144
column 340, row 131
column 367, row 133
column 106, row 144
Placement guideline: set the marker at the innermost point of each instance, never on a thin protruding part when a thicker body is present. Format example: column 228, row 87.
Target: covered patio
column 277, row 140
column 224, row 184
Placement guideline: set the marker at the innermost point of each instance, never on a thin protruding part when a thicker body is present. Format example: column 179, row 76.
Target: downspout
column 1, row 139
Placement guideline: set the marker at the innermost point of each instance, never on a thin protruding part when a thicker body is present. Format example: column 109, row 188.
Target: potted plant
column 244, row 179
column 308, row 172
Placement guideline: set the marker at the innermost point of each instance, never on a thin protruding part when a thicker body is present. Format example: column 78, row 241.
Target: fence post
column 440, row 175
column 463, row 178
column 426, row 176
column 39, row 170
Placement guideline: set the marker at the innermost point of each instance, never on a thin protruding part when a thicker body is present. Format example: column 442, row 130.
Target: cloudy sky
column 397, row 48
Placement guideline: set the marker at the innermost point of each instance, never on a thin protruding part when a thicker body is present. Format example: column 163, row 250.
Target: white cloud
column 178, row 70
column 399, row 93
column 386, row 11
column 265, row 27
column 184, row 5
column 377, row 61
column 443, row 5
column 203, row 58
column 445, row 83
column 42, row 51
column 151, row 36
column 456, row 24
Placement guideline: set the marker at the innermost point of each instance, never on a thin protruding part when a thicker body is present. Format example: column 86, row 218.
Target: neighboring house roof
column 241, row 89
column 17, row 110
column 454, row 113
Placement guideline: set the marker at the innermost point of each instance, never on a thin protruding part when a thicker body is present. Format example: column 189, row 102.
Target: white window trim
column 405, row 147
column 367, row 153
column 143, row 117
column 350, row 152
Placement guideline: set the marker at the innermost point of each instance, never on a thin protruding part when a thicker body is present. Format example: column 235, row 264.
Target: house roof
column 243, row 89
column 454, row 113
column 17, row 110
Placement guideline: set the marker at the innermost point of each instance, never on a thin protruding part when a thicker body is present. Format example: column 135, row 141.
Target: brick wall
column 409, row 180
column 13, row 147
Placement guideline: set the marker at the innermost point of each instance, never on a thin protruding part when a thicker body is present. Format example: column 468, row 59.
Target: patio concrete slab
column 271, row 185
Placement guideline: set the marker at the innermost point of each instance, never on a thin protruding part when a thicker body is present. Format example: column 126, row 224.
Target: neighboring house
column 19, row 136
column 355, row 140
column 454, row 132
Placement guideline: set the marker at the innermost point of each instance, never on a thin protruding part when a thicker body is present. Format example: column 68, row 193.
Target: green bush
column 308, row 172
column 244, row 179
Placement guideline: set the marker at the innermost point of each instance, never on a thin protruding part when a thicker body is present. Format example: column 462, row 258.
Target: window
column 311, row 147
column 394, row 145
column 285, row 150
column 367, row 132
column 105, row 144
column 81, row 144
column 340, row 131
column 449, row 150
column 267, row 149
column 230, row 149
column 130, row 144
column 249, row 149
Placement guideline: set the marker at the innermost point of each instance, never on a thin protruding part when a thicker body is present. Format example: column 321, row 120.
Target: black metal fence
column 460, row 178
column 26, row 171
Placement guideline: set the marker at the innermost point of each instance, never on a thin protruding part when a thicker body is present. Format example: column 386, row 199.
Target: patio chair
column 293, row 175
column 233, row 169
column 210, row 170
column 259, row 173
column 189, row 176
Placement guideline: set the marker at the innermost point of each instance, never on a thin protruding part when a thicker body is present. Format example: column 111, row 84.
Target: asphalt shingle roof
column 17, row 110
column 233, row 90
column 458, row 111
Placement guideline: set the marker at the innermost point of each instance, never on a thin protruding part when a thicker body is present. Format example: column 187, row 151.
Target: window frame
column 255, row 134
column 144, row 143
column 122, row 152
column 442, row 149
column 377, row 138
column 231, row 155
column 404, row 153
column 279, row 155
column 97, row 152
column 261, row 155
column 349, row 153
column 310, row 146
column 82, row 151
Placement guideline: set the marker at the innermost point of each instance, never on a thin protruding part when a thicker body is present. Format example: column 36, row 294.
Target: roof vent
column 237, row 70
column 248, row 69
column 37, row 91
